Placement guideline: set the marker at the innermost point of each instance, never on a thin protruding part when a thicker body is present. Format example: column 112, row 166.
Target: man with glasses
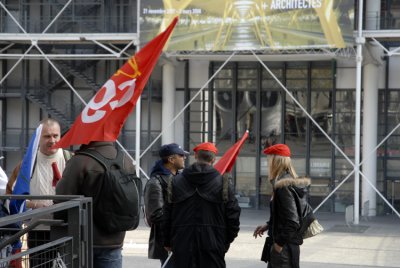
column 155, row 194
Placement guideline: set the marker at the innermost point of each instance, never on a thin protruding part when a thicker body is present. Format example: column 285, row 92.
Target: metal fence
column 56, row 236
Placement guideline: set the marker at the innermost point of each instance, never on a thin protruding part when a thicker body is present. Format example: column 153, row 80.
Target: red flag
column 106, row 113
column 225, row 164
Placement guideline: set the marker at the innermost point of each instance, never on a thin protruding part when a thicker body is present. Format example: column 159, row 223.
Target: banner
column 106, row 113
column 227, row 25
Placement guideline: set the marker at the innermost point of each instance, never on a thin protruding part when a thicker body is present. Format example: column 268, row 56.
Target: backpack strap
column 105, row 162
column 67, row 155
column 164, row 184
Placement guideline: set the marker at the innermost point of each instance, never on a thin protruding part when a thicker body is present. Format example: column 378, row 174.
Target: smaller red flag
column 225, row 164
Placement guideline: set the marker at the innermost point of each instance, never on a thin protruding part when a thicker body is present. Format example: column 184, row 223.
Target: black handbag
column 266, row 252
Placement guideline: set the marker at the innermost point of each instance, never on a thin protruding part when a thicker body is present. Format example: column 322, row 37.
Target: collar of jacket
column 289, row 181
column 96, row 144
column 159, row 169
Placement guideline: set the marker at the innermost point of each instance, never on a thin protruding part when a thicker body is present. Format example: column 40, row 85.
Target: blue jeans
column 107, row 257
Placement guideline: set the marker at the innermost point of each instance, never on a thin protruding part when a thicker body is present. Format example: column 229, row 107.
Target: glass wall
column 246, row 96
column 344, row 116
column 388, row 178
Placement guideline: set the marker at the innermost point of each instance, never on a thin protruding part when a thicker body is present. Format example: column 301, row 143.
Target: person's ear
column 171, row 159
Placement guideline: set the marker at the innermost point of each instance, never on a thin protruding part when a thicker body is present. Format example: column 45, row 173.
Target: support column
column 168, row 102
column 370, row 126
column 372, row 64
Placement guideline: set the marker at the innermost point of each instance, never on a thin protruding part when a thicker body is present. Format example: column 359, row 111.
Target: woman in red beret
column 282, row 246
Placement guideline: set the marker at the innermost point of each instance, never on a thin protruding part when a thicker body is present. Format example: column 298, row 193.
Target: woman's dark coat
column 284, row 223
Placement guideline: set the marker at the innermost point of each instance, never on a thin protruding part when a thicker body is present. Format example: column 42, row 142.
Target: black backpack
column 116, row 206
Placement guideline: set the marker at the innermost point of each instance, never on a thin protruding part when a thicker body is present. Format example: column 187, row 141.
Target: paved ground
column 374, row 243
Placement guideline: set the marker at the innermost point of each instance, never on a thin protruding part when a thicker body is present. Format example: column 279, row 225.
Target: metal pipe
column 138, row 106
column 360, row 41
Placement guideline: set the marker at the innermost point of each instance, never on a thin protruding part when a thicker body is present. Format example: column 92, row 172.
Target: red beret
column 206, row 146
column 278, row 149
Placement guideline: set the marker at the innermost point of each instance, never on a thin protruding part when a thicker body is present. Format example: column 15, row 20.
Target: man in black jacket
column 199, row 222
column 172, row 160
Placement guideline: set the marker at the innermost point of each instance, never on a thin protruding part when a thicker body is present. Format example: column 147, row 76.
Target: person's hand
column 169, row 249
column 259, row 231
column 40, row 204
column 277, row 248
column 34, row 204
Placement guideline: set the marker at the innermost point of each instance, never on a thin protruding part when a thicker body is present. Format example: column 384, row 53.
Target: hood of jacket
column 200, row 174
column 199, row 178
column 159, row 169
column 300, row 185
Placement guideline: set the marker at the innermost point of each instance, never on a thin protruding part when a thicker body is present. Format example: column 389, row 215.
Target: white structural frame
column 34, row 43
column 107, row 43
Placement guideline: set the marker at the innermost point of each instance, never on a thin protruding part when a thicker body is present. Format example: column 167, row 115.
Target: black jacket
column 81, row 177
column 284, row 223
column 285, row 213
column 154, row 198
column 198, row 224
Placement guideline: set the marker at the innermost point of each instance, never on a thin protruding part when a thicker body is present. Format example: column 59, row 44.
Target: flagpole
column 167, row 260
column 138, row 103
column 137, row 150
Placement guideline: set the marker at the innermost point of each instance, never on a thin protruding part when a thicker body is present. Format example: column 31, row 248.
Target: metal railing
column 68, row 224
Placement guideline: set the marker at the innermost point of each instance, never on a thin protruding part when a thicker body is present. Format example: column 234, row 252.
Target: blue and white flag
column 3, row 180
column 22, row 184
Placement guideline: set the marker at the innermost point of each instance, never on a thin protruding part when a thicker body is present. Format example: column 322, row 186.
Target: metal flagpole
column 360, row 40
column 138, row 103
column 166, row 261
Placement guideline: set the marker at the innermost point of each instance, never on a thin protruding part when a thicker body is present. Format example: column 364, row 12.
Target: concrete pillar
column 168, row 102
column 373, row 14
column 372, row 70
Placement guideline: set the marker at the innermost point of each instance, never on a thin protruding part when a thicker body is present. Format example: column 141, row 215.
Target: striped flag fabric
column 3, row 181
column 22, row 184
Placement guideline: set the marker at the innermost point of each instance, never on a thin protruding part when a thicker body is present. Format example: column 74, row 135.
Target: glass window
column 295, row 119
column 271, row 106
column 296, row 122
column 344, row 196
column 345, row 120
column 389, row 119
column 321, row 111
column 236, row 91
column 245, row 180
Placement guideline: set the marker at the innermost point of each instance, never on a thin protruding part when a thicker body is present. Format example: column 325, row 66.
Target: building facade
column 89, row 40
